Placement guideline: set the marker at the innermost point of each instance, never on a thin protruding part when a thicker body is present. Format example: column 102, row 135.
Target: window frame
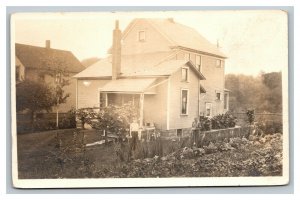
column 218, row 99
column 187, row 74
column 206, row 105
column 139, row 36
column 187, row 102
column 200, row 64
column 179, row 132
column 219, row 63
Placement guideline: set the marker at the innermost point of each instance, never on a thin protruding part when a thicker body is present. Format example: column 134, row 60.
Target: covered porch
column 124, row 91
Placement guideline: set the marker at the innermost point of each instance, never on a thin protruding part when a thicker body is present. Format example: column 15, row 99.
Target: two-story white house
column 169, row 70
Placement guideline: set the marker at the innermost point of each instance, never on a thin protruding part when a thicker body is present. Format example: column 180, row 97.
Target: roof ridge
column 29, row 45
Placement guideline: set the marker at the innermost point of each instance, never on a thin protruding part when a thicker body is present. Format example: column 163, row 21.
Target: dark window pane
column 184, row 96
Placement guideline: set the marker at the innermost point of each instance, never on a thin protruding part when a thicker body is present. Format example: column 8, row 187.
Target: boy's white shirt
column 134, row 127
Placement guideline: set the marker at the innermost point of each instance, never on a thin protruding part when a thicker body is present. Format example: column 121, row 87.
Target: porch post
column 141, row 109
column 106, row 100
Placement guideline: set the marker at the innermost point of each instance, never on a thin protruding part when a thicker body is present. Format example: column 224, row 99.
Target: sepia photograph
column 150, row 99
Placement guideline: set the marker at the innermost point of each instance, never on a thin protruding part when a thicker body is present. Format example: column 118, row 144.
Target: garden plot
column 40, row 156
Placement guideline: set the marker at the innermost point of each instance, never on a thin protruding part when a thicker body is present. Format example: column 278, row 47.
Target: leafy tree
column 35, row 97
column 112, row 119
column 262, row 93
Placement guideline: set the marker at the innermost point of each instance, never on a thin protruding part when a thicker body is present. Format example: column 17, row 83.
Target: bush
column 68, row 120
column 44, row 125
column 205, row 123
column 251, row 116
column 270, row 127
column 223, row 121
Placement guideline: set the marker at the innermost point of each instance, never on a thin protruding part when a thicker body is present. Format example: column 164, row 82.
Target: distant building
column 168, row 70
column 37, row 63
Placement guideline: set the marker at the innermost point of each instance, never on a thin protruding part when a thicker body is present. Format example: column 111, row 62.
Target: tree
column 262, row 93
column 113, row 119
column 35, row 97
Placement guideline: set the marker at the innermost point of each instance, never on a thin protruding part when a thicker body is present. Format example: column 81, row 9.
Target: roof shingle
column 47, row 58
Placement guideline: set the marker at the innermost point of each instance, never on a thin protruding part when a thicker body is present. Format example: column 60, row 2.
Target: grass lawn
column 39, row 156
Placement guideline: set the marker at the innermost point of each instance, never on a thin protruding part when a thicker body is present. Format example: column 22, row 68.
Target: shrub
column 223, row 121
column 270, row 127
column 205, row 123
column 112, row 119
column 83, row 114
column 68, row 120
column 251, row 116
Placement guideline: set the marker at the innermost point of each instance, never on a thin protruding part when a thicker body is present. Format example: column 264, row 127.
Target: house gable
column 154, row 41
column 177, row 85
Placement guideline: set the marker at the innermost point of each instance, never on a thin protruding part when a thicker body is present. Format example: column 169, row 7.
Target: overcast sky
column 254, row 41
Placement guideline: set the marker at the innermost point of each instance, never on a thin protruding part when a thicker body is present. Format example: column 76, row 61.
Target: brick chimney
column 116, row 52
column 48, row 44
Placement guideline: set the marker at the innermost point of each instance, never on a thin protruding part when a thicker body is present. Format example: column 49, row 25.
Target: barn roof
column 47, row 58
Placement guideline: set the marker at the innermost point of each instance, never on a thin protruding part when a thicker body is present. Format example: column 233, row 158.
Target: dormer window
column 142, row 36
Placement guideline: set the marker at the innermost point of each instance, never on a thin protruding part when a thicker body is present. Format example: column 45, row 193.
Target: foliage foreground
column 68, row 158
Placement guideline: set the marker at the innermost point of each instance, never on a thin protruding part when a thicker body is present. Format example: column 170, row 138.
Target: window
column 179, row 132
column 142, row 36
column 218, row 63
column 225, row 101
column 184, row 102
column 185, row 74
column 208, row 109
column 218, row 96
column 198, row 62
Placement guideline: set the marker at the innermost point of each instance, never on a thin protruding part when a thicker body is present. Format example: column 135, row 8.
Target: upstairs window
column 218, row 63
column 198, row 62
column 185, row 74
column 142, row 36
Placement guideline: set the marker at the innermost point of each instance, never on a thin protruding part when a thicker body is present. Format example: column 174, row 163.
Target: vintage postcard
column 150, row 99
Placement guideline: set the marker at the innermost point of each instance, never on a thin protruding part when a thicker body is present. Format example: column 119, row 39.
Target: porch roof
column 128, row 85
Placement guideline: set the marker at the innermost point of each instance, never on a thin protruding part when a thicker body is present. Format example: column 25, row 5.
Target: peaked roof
column 129, row 64
column 165, row 68
column 180, row 36
column 47, row 58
